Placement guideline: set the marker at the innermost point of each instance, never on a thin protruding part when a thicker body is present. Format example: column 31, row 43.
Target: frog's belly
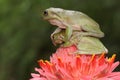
column 76, row 27
column 62, row 25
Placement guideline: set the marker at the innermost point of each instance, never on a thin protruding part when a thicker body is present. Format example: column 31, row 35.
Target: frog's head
column 53, row 13
column 54, row 16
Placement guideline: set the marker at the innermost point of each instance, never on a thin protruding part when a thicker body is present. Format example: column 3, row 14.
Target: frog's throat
column 58, row 23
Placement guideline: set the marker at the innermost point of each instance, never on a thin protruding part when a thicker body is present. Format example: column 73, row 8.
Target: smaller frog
column 85, row 44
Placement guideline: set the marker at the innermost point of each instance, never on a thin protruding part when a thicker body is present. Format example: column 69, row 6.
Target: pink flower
column 64, row 65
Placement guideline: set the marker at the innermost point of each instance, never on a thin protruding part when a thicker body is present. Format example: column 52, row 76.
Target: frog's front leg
column 67, row 44
column 68, row 33
column 52, row 35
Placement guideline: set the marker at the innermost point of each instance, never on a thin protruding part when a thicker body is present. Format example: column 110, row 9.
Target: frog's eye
column 45, row 13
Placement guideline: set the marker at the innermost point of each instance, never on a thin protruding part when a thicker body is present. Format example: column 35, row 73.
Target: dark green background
column 25, row 36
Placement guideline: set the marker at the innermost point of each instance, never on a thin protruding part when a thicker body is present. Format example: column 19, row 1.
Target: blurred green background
column 25, row 36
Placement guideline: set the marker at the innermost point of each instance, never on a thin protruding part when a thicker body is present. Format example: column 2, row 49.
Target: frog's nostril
column 45, row 13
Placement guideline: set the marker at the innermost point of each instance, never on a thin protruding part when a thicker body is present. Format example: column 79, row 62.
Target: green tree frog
column 85, row 44
column 72, row 20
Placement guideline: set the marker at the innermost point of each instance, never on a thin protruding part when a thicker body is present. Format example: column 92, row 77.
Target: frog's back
column 81, row 21
column 84, row 19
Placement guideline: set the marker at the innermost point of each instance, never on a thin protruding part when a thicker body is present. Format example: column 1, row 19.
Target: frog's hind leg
column 90, row 45
column 92, row 31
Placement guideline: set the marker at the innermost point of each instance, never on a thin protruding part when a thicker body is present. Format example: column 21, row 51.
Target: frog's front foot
column 66, row 44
